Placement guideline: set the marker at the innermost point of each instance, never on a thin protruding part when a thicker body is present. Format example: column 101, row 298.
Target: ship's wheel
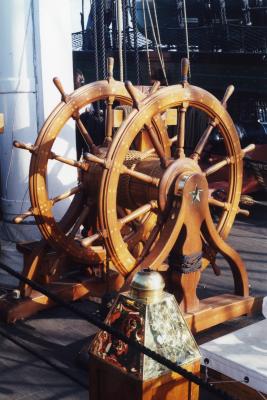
column 176, row 189
column 82, row 210
column 147, row 193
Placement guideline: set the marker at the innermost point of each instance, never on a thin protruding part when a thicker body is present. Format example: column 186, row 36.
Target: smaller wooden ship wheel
column 176, row 189
column 64, row 235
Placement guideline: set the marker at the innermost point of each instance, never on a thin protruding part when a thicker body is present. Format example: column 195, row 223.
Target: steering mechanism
column 144, row 196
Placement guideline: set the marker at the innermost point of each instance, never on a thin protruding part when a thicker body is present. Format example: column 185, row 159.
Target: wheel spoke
column 173, row 139
column 157, row 145
column 102, row 161
column 85, row 134
column 155, row 87
column 149, row 242
column 203, row 140
column 59, row 86
column 79, row 221
column 137, row 213
column 212, row 124
column 25, row 146
column 228, row 93
column 122, row 212
column 63, row 196
column 21, row 217
column 133, row 93
column 141, row 176
column 54, row 156
column 109, row 119
column 86, row 242
column 227, row 206
column 181, row 130
column 216, row 167
column 247, row 149
column 110, row 67
column 149, row 152
column 69, row 161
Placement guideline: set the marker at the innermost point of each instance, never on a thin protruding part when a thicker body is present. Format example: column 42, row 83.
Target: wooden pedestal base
column 108, row 382
column 13, row 310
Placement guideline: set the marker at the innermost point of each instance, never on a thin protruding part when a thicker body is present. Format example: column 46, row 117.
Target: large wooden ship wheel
column 176, row 188
column 62, row 235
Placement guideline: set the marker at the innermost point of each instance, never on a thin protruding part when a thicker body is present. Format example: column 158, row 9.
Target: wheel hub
column 177, row 169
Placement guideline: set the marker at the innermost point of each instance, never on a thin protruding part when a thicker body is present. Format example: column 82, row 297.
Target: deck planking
column 58, row 335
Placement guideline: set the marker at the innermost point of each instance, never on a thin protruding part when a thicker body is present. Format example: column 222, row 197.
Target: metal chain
column 137, row 346
column 134, row 22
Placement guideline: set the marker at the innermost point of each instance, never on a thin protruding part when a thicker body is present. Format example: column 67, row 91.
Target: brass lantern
column 152, row 317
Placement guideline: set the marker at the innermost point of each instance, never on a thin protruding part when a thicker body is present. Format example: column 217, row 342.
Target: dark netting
column 83, row 40
column 215, row 38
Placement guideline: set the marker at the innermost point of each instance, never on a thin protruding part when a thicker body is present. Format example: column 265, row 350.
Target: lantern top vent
column 147, row 284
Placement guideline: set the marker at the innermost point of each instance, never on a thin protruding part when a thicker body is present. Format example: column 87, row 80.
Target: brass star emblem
column 196, row 194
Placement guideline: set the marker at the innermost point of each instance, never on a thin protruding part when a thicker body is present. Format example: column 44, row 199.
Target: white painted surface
column 54, row 58
column 241, row 353
column 17, row 102
column 264, row 306
column 35, row 47
column 76, row 9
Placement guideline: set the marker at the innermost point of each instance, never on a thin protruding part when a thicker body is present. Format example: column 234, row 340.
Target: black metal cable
column 137, row 346
column 134, row 22
column 42, row 358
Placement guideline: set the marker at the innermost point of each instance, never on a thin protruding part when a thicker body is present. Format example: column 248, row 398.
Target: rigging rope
column 186, row 36
column 147, row 51
column 102, row 39
column 95, row 40
column 134, row 22
column 96, row 51
column 124, row 20
column 159, row 39
column 119, row 19
column 156, row 42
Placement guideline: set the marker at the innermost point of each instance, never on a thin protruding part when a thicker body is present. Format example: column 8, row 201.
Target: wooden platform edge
column 218, row 309
column 13, row 310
